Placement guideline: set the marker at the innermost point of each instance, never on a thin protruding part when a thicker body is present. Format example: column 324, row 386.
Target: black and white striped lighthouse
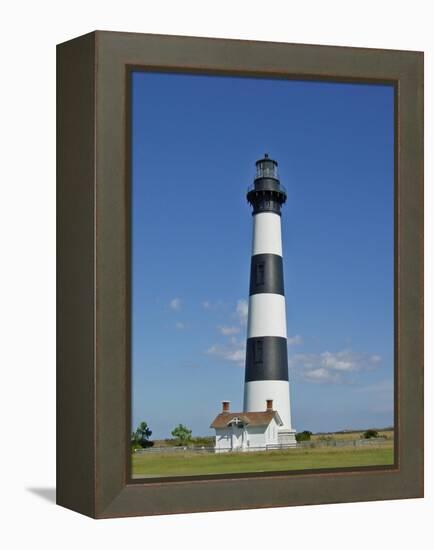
column 266, row 376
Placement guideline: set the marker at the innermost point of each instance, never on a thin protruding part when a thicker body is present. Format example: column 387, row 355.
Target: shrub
column 140, row 438
column 303, row 436
column 370, row 434
column 182, row 434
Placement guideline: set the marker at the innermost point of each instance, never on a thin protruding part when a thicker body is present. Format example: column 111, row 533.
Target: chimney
column 225, row 406
column 269, row 404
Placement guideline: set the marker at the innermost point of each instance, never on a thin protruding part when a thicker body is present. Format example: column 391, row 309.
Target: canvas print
column 262, row 291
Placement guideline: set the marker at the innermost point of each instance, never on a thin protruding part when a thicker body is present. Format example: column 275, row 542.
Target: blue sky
column 195, row 140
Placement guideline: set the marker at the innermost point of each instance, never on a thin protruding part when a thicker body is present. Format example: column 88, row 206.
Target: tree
column 182, row 434
column 141, row 435
column 370, row 434
column 303, row 436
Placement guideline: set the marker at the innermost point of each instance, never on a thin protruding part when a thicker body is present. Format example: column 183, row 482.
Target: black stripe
column 266, row 359
column 266, row 274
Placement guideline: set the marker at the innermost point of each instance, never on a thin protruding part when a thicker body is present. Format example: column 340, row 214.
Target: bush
column 140, row 438
column 303, row 436
column 182, row 434
column 370, row 434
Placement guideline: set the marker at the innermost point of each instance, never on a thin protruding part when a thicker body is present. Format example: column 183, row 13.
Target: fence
column 180, row 449
column 343, row 442
column 315, row 443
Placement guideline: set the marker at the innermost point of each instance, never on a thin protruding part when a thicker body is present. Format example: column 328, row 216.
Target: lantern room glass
column 266, row 168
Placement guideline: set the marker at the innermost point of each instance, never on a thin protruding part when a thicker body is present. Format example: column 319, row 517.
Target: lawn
column 189, row 463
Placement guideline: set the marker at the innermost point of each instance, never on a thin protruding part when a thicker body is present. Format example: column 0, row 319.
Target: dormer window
column 239, row 422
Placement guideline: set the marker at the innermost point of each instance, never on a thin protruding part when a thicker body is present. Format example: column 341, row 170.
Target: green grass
column 188, row 463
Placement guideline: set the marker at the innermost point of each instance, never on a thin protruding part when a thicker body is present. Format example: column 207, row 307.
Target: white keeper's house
column 244, row 431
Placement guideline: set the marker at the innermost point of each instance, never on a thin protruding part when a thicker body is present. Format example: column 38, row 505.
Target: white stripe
column 257, row 392
column 266, row 315
column 267, row 237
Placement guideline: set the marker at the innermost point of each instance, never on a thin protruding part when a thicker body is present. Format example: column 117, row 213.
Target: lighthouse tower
column 266, row 374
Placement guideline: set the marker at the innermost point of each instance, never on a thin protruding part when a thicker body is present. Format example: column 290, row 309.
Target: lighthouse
column 266, row 369
column 265, row 421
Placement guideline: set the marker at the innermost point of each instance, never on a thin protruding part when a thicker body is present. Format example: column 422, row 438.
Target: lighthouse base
column 286, row 438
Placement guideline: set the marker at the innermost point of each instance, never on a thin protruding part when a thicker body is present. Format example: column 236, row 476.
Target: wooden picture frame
column 93, row 363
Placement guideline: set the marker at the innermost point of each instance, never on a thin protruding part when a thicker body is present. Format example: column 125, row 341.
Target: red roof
column 262, row 418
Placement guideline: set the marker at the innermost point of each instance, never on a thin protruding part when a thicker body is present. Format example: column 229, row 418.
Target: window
column 258, row 351
column 260, row 273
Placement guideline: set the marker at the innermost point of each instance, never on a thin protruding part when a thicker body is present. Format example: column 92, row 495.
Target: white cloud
column 242, row 311
column 237, row 355
column 342, row 360
column 179, row 325
column 322, row 375
column 228, row 331
column 213, row 305
column 328, row 367
column 175, row 304
column 235, row 351
column 296, row 340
